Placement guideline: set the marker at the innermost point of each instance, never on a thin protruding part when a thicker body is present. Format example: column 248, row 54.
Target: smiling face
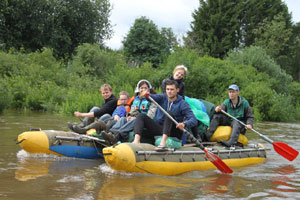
column 179, row 74
column 106, row 93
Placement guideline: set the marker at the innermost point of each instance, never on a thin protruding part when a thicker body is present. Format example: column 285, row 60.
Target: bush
column 5, row 96
column 258, row 58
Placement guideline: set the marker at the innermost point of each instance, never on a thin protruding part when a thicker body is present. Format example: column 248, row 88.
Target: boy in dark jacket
column 109, row 105
column 162, row 125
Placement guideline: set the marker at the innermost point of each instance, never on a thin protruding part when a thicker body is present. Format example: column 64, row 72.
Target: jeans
column 123, row 127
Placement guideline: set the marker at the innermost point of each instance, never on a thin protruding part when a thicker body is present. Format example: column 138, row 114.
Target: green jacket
column 242, row 111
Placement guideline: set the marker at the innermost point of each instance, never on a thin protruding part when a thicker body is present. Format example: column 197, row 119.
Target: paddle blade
column 218, row 162
column 285, row 150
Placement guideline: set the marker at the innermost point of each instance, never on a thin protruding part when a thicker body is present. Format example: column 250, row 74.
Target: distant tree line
column 58, row 24
column 223, row 26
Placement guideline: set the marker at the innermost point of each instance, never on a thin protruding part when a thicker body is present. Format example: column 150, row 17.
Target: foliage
column 5, row 96
column 91, row 60
column 273, row 36
column 145, row 43
column 220, row 26
column 59, row 24
column 209, row 79
column 37, row 81
column 291, row 64
column 258, row 58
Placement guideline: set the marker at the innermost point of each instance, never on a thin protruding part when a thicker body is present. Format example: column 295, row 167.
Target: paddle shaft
column 184, row 130
column 258, row 133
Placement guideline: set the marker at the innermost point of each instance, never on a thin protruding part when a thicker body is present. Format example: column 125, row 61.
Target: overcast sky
column 175, row 14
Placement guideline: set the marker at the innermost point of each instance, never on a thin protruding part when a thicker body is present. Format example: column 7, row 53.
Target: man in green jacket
column 236, row 106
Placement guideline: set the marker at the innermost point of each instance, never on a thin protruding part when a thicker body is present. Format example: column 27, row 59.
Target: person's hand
column 180, row 126
column 117, row 117
column 144, row 93
column 77, row 114
column 218, row 109
column 248, row 127
column 130, row 118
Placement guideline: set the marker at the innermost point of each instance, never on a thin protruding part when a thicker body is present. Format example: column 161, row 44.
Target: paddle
column 209, row 155
column 281, row 148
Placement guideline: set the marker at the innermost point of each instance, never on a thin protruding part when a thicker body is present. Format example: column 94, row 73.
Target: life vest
column 142, row 105
column 239, row 111
column 127, row 105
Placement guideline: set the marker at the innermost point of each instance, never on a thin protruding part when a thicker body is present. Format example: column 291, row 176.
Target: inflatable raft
column 143, row 158
column 61, row 143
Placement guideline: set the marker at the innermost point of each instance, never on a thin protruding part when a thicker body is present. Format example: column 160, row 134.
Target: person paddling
column 175, row 105
column 236, row 106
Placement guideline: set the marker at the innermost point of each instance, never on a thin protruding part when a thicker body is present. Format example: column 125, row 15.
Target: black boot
column 113, row 137
column 104, row 135
column 99, row 126
column 233, row 139
column 86, row 121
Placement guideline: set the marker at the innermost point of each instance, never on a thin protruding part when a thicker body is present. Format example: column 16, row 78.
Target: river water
column 28, row 176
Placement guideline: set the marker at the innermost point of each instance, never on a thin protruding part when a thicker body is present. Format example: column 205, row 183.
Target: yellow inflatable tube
column 35, row 142
column 123, row 157
column 224, row 133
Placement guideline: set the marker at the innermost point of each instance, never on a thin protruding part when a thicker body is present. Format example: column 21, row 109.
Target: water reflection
column 219, row 184
column 50, row 177
column 31, row 169
column 283, row 182
column 32, row 166
column 124, row 187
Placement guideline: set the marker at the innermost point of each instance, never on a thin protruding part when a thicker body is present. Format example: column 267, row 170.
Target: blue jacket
column 179, row 108
column 120, row 111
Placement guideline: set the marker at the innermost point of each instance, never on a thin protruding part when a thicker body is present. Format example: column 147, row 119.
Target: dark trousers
column 222, row 120
column 155, row 129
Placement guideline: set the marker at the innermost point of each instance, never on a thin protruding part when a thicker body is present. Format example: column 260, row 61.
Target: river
column 28, row 176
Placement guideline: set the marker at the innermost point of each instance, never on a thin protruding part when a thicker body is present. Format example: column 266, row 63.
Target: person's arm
column 79, row 114
column 163, row 86
column 181, row 91
column 191, row 120
column 106, row 108
column 221, row 107
column 249, row 118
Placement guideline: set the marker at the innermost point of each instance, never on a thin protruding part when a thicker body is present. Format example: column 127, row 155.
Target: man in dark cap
column 236, row 106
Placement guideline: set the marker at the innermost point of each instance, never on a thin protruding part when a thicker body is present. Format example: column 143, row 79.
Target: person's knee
column 217, row 116
column 236, row 124
column 141, row 116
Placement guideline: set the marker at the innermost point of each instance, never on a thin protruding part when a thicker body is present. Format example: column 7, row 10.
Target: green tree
column 215, row 29
column 273, row 36
column 220, row 26
column 58, row 24
column 294, row 55
column 145, row 43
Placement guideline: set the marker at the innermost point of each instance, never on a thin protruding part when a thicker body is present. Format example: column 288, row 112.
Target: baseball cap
column 234, row 87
